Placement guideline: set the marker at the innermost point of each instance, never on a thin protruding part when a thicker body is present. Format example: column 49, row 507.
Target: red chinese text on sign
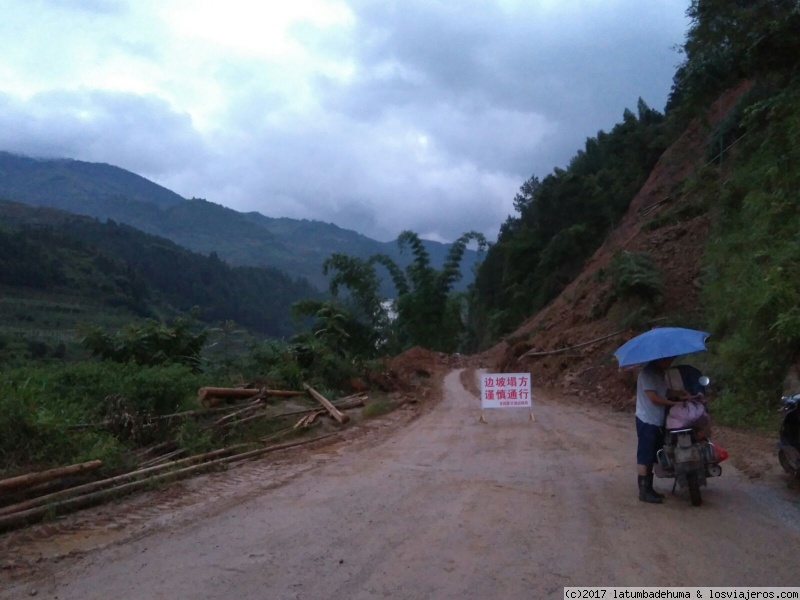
column 506, row 390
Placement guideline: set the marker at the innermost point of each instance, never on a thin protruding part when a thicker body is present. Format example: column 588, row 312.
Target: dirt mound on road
column 415, row 373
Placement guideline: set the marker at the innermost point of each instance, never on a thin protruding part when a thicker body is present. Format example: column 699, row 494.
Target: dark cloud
column 140, row 133
column 567, row 73
column 423, row 114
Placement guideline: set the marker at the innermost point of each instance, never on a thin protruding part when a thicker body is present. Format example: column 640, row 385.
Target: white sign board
column 506, row 390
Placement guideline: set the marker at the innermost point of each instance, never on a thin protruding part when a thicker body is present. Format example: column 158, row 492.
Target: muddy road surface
column 447, row 507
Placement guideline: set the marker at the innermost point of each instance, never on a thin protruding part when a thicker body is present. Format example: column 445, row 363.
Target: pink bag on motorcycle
column 685, row 414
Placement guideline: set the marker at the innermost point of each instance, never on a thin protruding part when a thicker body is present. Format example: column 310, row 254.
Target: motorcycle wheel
column 694, row 489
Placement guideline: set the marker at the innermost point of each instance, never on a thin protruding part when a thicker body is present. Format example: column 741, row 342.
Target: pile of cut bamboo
column 29, row 498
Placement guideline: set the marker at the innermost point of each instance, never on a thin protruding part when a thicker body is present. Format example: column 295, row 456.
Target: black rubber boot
column 645, row 493
column 650, row 487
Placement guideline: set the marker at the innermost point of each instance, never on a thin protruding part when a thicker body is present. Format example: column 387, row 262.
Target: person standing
column 652, row 400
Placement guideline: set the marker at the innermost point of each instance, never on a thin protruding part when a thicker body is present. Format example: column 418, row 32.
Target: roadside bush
column 32, row 432
column 634, row 275
column 149, row 344
column 306, row 359
column 636, row 290
column 38, row 406
column 752, row 291
column 193, row 439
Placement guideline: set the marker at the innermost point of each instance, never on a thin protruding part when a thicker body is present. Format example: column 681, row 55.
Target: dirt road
column 450, row 508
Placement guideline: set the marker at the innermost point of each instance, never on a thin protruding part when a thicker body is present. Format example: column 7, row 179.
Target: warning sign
column 506, row 390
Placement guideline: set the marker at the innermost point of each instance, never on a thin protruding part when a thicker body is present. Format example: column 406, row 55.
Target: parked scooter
column 789, row 440
column 688, row 455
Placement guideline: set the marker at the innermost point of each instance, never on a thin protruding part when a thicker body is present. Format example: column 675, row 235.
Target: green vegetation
column 429, row 312
column 41, row 407
column 752, row 281
column 636, row 290
column 118, row 267
column 66, row 412
column 143, row 358
column 684, row 212
column 149, row 345
column 753, row 291
column 562, row 220
column 747, row 185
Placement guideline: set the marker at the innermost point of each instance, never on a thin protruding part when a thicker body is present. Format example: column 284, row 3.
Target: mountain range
column 297, row 247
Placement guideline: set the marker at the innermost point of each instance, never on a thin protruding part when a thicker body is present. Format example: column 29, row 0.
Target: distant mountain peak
column 295, row 246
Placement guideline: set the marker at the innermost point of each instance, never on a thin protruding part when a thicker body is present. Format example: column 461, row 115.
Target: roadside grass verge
column 44, row 411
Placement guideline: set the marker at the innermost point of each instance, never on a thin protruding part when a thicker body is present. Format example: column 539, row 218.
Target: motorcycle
column 688, row 455
column 789, row 439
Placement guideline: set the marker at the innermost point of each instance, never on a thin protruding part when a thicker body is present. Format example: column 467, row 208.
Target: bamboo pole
column 178, row 415
column 160, row 459
column 13, row 483
column 208, row 411
column 142, row 452
column 247, row 419
column 362, row 395
column 530, row 353
column 40, row 489
column 277, row 434
column 308, row 419
column 342, row 418
column 356, row 402
column 253, row 406
column 24, row 517
column 95, row 485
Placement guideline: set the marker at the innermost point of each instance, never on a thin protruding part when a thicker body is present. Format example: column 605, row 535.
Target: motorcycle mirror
column 704, row 380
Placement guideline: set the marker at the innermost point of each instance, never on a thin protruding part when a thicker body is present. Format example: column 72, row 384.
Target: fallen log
column 26, row 517
column 207, row 396
column 40, row 489
column 342, row 418
column 95, row 485
column 356, row 402
column 211, row 396
column 13, row 483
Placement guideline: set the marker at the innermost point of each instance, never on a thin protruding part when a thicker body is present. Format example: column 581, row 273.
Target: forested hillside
column 710, row 241
column 563, row 218
column 118, row 266
column 297, row 247
column 76, row 186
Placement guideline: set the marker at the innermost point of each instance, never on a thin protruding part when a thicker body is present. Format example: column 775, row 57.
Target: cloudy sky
column 376, row 115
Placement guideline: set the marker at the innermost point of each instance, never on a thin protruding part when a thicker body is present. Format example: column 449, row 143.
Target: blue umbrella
column 661, row 342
